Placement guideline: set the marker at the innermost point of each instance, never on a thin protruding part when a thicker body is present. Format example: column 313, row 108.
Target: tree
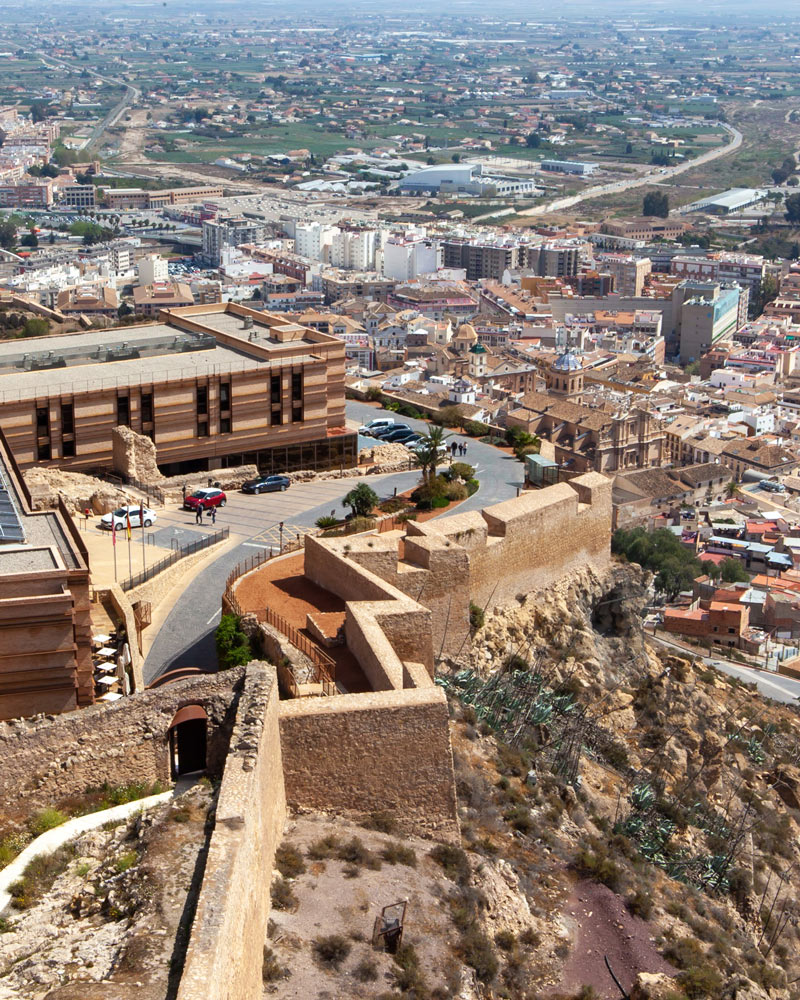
column 628, row 148
column 124, row 310
column 731, row 489
column 732, row 571
column 427, row 453
column 456, row 157
column 233, row 646
column 29, row 240
column 533, row 140
column 38, row 111
column 361, row 500
column 8, row 235
column 656, row 203
column 792, row 205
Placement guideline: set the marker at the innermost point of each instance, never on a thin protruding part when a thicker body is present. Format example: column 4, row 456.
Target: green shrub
column 361, row 500
column 39, row 876
column 327, row 521
column 472, row 487
column 366, row 971
column 356, row 853
column 685, row 953
column 46, row 820
column 478, row 951
column 282, row 896
column 381, row 820
column 454, row 493
column 700, row 981
column 271, row 968
column 640, row 904
column 440, row 502
column 332, row 950
column 126, row 861
column 461, row 470
column 597, row 865
column 505, row 940
column 519, row 818
column 453, row 861
column 398, row 854
column 326, row 847
column 475, row 429
column 477, row 617
column 408, row 975
column 289, row 861
column 233, row 646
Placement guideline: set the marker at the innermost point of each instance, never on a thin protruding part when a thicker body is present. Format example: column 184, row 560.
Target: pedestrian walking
column 213, row 515
column 462, row 449
column 198, row 515
column 453, row 447
column 464, row 452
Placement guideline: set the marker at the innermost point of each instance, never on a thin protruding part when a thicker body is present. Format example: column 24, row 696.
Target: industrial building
column 464, row 178
column 569, row 167
column 729, row 201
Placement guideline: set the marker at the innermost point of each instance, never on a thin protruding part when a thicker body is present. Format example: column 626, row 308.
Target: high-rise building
column 709, row 313
column 629, row 273
column 311, row 238
column 353, row 249
column 227, row 231
column 152, row 269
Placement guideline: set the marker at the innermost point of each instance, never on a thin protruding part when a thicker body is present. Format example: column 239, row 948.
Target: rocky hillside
column 648, row 807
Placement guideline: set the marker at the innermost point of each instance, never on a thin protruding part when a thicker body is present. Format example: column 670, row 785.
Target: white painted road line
column 211, row 619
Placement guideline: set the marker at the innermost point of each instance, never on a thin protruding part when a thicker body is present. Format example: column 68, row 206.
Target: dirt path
column 602, row 927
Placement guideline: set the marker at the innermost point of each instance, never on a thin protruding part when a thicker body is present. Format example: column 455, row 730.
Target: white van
column 376, row 424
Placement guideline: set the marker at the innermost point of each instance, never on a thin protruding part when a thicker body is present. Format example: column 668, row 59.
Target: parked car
column 383, row 433
column 266, row 484
column 205, row 498
column 377, row 424
column 400, row 435
column 413, row 440
column 119, row 518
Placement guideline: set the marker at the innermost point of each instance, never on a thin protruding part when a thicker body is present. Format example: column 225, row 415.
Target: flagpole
column 114, row 544
column 128, row 528
column 141, row 525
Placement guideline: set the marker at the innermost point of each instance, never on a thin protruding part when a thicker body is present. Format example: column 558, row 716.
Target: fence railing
column 154, row 492
column 324, row 665
column 179, row 552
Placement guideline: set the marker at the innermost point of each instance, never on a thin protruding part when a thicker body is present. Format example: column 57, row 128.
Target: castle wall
column 359, row 753
column 47, row 759
column 225, row 952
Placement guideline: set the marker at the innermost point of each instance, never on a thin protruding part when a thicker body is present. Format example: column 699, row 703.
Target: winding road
column 652, row 177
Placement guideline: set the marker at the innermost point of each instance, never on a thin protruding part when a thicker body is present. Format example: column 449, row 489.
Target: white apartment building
column 405, row 259
column 152, row 269
column 353, row 249
column 311, row 238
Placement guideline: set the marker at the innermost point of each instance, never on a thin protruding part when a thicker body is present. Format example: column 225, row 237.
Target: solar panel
column 11, row 529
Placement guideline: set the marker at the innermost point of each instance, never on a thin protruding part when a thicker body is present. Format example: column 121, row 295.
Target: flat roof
column 233, row 325
column 27, row 560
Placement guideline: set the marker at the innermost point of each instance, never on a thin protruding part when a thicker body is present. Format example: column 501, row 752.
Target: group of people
column 458, row 448
column 198, row 514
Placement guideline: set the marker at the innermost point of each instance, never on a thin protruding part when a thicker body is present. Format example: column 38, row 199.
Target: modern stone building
column 213, row 386
column 45, row 626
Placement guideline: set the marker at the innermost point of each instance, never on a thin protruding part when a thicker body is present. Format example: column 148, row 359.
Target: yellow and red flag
column 128, row 523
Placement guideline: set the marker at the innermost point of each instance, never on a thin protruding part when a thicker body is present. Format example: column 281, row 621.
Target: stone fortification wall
column 47, row 759
column 383, row 626
column 225, row 951
column 363, row 752
column 529, row 542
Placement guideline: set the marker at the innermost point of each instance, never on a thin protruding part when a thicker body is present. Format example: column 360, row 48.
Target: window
column 68, row 448
column 43, row 451
column 731, row 631
column 123, row 410
column 202, row 428
column 276, row 415
column 147, row 407
column 224, row 425
column 297, row 387
column 225, row 395
column 67, row 419
column 297, row 414
column 202, row 400
column 42, row 421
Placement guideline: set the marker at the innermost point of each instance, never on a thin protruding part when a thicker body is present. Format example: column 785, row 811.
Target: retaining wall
column 359, row 753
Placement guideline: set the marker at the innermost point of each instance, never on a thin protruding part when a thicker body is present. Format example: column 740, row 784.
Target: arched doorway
column 187, row 740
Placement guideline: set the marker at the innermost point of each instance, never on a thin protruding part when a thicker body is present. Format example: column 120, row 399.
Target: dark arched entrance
column 187, row 740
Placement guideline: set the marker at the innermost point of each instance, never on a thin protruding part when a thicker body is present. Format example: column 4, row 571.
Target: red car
column 205, row 499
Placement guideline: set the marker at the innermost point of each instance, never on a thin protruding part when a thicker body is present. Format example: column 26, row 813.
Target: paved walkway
column 186, row 637
column 50, row 841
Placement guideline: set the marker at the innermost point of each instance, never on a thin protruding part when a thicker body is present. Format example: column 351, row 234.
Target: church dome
column 477, row 349
column 466, row 332
column 567, row 362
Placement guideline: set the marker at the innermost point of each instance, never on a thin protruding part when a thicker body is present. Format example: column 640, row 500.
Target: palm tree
column 732, row 489
column 427, row 452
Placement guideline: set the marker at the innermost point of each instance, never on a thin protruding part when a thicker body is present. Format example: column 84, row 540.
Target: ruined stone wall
column 46, row 759
column 225, row 952
column 362, row 752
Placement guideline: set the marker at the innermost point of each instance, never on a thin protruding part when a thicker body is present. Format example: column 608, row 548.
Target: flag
column 141, row 515
column 128, row 523
column 113, row 532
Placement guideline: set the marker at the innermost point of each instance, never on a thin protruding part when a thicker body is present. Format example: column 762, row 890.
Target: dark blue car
column 266, row 484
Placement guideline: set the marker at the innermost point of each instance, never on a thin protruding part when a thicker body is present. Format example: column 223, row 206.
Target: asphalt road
column 651, row 177
column 784, row 689
column 186, row 637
